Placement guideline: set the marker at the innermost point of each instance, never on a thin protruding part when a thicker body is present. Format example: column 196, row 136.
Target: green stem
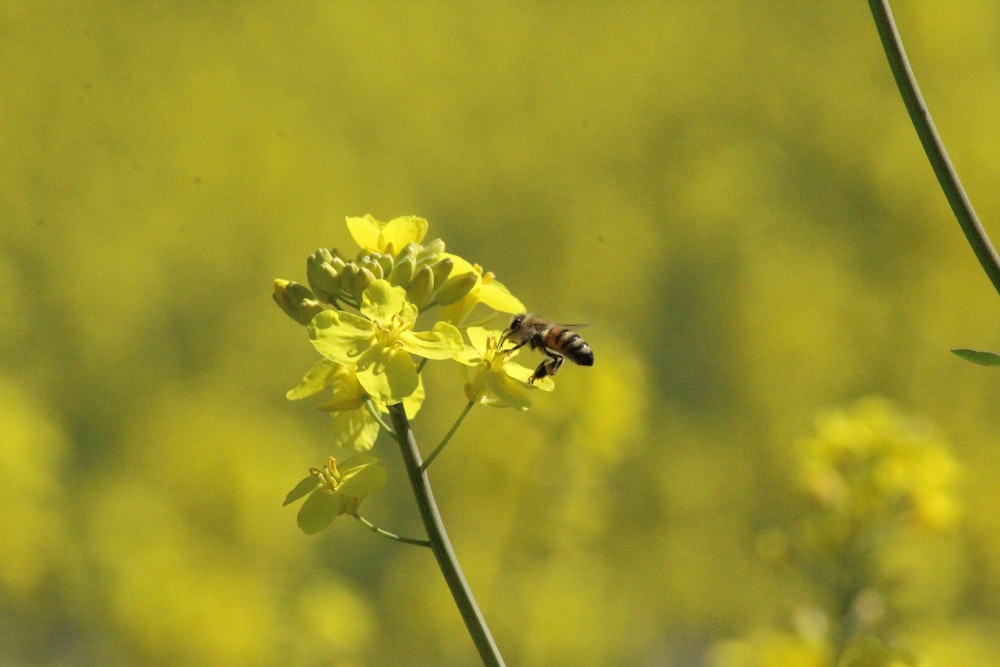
column 392, row 536
column 933, row 146
column 447, row 436
column 440, row 544
column 373, row 411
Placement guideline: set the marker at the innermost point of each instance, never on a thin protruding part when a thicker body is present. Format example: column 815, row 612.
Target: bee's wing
column 574, row 326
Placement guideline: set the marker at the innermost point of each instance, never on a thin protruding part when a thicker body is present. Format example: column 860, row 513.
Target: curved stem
column 373, row 411
column 933, row 146
column 440, row 545
column 447, row 436
column 385, row 533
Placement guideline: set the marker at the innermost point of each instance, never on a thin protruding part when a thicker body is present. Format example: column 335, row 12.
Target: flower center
column 387, row 333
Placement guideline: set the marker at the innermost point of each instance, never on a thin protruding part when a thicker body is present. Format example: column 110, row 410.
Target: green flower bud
column 323, row 278
column 348, row 276
column 337, row 262
column 435, row 247
column 428, row 256
column 403, row 272
column 386, row 262
column 425, row 260
column 410, row 250
column 297, row 300
column 442, row 269
column 362, row 279
column 421, row 287
column 455, row 288
column 370, row 263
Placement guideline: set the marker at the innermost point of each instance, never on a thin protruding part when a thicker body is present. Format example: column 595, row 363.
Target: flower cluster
column 392, row 251
column 874, row 467
column 878, row 486
column 361, row 316
column 880, row 483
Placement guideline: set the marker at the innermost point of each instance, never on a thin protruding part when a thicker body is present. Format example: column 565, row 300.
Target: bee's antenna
column 503, row 338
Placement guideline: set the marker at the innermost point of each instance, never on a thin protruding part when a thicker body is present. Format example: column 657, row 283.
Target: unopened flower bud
column 409, row 251
column 386, row 263
column 442, row 269
column 455, row 288
column 348, row 276
column 362, row 280
column 297, row 300
column 370, row 263
column 435, row 247
column 421, row 287
column 403, row 271
column 322, row 276
column 337, row 262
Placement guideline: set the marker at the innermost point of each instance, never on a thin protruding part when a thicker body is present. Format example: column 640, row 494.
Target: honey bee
column 558, row 341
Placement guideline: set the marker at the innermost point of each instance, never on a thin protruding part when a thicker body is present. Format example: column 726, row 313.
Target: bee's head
column 512, row 328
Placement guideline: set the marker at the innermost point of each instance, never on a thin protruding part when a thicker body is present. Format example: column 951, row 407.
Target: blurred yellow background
column 729, row 193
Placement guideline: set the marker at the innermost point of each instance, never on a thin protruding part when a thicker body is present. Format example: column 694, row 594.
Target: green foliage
column 979, row 357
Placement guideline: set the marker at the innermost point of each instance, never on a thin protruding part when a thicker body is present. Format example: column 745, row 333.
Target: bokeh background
column 729, row 193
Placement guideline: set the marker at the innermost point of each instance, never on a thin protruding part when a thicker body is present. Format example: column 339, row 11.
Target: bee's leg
column 517, row 347
column 504, row 339
column 548, row 367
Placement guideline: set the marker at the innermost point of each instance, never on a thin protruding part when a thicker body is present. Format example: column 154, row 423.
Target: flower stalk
column 372, row 357
column 439, row 542
column 931, row 141
column 392, row 536
column 444, row 441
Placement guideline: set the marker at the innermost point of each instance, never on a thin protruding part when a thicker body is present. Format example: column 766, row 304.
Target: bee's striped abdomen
column 565, row 341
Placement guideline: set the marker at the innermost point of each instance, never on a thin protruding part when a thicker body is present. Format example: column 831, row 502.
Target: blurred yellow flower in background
column 871, row 464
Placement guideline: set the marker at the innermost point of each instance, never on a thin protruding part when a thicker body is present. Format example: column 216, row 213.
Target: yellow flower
column 354, row 427
column 378, row 343
column 487, row 291
column 388, row 237
column 336, row 490
column 491, row 377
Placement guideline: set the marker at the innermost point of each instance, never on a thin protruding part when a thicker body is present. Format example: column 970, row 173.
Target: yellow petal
column 317, row 378
column 388, row 375
column 354, row 429
column 341, row 336
column 382, row 300
column 402, row 230
column 366, row 232
column 442, row 342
